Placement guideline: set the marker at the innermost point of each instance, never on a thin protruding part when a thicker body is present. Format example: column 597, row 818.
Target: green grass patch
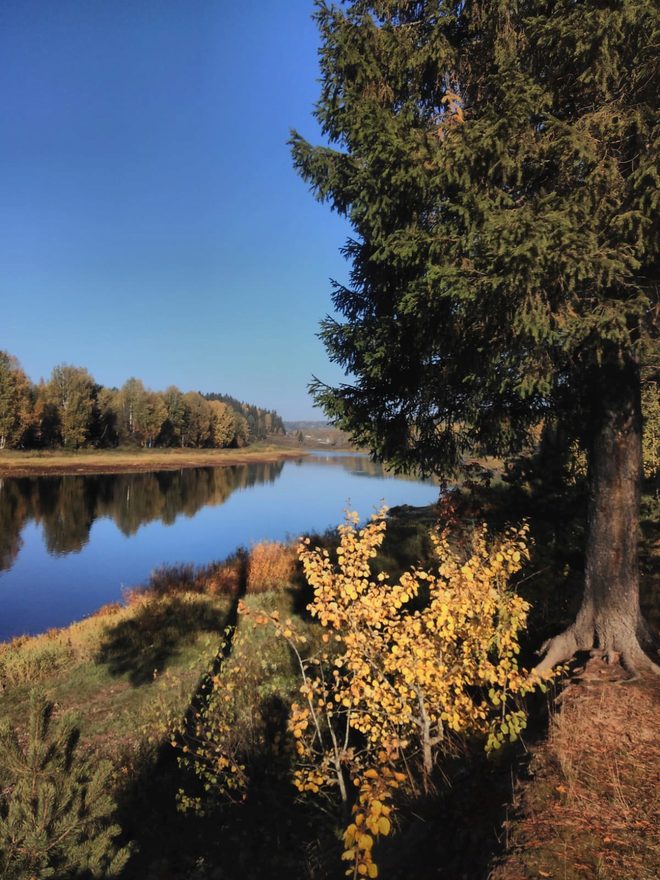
column 110, row 669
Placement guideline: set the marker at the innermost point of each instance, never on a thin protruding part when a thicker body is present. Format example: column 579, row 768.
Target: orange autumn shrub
column 270, row 567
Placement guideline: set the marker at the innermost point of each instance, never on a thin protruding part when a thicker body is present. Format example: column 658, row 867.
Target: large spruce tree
column 498, row 163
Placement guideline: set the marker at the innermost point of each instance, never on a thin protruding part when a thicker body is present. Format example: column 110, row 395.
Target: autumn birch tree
column 405, row 669
column 70, row 390
column 14, row 401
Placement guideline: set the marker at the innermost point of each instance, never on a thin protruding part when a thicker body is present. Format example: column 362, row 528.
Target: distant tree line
column 71, row 410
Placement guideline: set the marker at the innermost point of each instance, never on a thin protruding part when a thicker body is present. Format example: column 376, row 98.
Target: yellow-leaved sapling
column 405, row 667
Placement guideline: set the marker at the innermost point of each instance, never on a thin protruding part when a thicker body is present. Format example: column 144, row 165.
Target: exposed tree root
column 559, row 649
column 636, row 662
column 625, row 650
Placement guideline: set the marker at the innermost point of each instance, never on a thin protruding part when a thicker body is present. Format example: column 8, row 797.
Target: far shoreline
column 17, row 463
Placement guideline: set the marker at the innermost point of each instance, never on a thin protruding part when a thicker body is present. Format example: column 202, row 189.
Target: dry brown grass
column 16, row 463
column 592, row 809
column 271, row 567
column 216, row 579
column 32, row 659
column 225, row 578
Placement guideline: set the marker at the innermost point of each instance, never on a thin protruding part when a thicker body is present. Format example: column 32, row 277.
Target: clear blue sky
column 151, row 223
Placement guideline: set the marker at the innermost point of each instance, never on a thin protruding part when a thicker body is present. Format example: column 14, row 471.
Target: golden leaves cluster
column 370, row 816
column 414, row 662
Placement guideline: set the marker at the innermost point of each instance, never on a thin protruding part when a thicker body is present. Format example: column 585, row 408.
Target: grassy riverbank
column 131, row 670
column 15, row 463
column 563, row 804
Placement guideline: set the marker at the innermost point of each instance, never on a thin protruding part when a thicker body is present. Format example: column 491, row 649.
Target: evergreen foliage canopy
column 55, row 810
column 498, row 164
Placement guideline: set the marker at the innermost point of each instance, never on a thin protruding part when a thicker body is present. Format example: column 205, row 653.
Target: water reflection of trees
column 67, row 506
column 13, row 515
column 360, row 465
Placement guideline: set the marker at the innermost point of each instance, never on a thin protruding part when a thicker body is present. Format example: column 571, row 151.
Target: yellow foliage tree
column 405, row 666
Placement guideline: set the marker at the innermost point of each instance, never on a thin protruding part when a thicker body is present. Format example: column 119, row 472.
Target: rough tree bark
column 609, row 618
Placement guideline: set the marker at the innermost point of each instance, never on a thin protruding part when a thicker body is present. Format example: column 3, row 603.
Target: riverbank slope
column 575, row 800
column 15, row 463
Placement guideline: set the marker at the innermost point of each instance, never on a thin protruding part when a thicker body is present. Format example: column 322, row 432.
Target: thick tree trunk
column 609, row 618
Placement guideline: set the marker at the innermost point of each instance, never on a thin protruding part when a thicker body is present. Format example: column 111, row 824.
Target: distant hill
column 318, row 433
column 306, row 426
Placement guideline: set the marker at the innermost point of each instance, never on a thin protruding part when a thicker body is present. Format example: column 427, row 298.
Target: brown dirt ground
column 591, row 807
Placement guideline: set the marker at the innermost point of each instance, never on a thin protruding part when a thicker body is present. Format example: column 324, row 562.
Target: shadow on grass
column 168, row 616
column 456, row 833
column 271, row 835
column 155, row 635
column 460, row 832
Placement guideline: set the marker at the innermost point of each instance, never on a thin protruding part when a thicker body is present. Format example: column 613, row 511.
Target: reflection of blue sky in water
column 42, row 590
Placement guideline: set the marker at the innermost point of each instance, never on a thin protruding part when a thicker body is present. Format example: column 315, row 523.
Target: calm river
column 70, row 544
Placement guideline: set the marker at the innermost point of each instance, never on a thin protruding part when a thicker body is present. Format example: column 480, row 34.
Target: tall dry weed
column 271, row 567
